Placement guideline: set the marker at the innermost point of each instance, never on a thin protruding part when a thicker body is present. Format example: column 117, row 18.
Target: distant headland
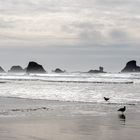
column 34, row 67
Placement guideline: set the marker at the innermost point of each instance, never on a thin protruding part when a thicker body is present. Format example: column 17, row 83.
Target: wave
column 70, row 81
column 2, row 82
column 75, row 87
column 74, row 78
column 95, row 82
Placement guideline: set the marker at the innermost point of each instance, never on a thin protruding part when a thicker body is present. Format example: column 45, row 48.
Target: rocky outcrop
column 34, row 67
column 131, row 66
column 101, row 70
column 58, row 70
column 16, row 69
column 2, row 70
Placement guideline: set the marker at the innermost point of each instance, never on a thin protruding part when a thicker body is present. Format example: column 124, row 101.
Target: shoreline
column 52, row 120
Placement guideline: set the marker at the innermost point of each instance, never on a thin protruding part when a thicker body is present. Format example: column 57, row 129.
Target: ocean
column 121, row 88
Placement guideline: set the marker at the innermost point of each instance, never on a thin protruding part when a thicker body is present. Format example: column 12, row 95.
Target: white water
column 121, row 88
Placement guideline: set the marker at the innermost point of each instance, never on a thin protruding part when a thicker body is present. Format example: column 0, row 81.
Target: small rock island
column 101, row 70
column 131, row 66
column 58, row 70
column 2, row 70
column 34, row 67
column 16, row 69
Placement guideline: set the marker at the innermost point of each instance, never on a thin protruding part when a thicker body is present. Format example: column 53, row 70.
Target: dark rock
column 2, row 70
column 34, row 67
column 131, row 66
column 16, row 69
column 58, row 70
column 101, row 70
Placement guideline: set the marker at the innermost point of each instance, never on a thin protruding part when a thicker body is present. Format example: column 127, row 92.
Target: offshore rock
column 2, row 70
column 131, row 66
column 58, row 70
column 101, row 70
column 16, row 69
column 34, row 67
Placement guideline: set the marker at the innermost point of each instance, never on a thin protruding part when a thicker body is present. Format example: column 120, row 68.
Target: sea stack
column 131, row 66
column 16, row 69
column 2, row 70
column 101, row 70
column 34, row 67
column 58, row 70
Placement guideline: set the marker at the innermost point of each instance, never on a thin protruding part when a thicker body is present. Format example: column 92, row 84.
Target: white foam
column 75, row 87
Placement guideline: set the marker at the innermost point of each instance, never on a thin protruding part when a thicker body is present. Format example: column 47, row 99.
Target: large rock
column 2, row 70
column 101, row 70
column 131, row 66
column 34, row 67
column 58, row 70
column 16, row 69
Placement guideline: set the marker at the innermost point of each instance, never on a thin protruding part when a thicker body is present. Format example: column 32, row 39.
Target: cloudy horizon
column 73, row 35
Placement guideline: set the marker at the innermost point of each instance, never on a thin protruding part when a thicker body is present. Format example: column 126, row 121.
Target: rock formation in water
column 131, row 66
column 16, row 69
column 2, row 70
column 34, row 67
column 58, row 70
column 101, row 70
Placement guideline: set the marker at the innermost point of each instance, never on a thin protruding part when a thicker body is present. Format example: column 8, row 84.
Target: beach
column 69, row 70
column 69, row 107
column 27, row 119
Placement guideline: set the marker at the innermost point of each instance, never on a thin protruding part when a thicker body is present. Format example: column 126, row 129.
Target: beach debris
column 30, row 109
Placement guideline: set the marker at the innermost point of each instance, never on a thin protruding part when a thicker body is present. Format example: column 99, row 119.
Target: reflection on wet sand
column 122, row 118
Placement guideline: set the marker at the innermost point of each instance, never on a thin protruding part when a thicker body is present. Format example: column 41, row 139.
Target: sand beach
column 27, row 119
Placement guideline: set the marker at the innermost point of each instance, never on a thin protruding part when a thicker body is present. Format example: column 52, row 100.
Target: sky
column 75, row 35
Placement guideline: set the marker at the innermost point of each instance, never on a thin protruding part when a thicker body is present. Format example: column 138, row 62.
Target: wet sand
column 23, row 119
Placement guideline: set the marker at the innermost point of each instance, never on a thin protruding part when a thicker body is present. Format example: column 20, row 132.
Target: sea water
column 121, row 88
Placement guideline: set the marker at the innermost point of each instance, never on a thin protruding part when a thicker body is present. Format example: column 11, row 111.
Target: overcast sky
column 70, row 34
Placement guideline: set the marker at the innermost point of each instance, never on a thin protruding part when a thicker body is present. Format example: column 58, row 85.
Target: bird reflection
column 122, row 118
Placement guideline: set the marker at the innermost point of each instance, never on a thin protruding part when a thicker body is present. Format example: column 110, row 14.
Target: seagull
column 122, row 109
column 106, row 99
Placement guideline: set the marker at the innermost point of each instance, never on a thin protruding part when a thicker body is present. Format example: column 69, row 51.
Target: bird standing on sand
column 106, row 99
column 122, row 109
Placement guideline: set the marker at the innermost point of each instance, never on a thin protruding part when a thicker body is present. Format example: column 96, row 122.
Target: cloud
column 74, row 34
column 92, row 21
